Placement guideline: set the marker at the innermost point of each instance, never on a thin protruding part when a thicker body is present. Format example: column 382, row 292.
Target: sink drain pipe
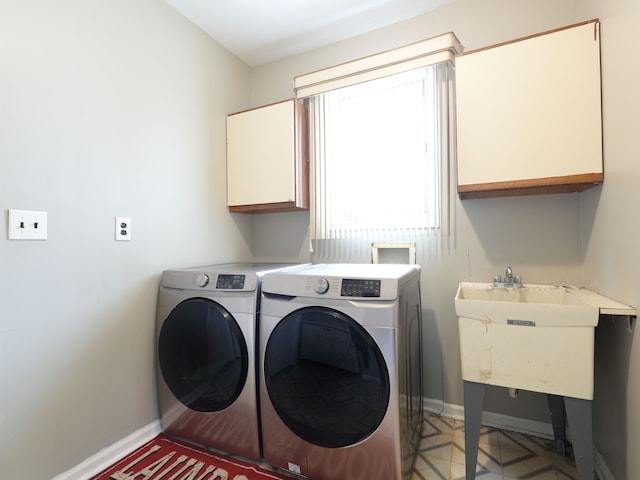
column 513, row 392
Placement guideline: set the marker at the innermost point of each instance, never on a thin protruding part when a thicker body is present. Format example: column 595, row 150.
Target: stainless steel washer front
column 206, row 354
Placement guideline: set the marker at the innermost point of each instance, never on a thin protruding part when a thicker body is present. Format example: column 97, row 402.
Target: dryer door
column 326, row 377
column 203, row 355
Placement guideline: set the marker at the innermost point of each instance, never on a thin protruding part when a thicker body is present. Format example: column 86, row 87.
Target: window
column 378, row 163
column 381, row 134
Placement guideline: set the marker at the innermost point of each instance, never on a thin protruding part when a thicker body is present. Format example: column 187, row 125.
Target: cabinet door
column 266, row 159
column 529, row 115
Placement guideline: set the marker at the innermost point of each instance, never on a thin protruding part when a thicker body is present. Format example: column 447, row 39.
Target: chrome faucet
column 510, row 280
column 508, row 275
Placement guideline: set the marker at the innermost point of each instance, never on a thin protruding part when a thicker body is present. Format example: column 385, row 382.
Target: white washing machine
column 341, row 370
column 206, row 355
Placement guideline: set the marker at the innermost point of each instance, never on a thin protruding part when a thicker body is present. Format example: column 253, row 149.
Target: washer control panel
column 230, row 281
column 234, row 278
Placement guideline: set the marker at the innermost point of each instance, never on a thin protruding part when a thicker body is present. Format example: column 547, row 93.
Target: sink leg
column 559, row 422
column 473, row 402
column 580, row 422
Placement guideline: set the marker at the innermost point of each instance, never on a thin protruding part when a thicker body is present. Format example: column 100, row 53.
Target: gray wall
column 610, row 232
column 107, row 108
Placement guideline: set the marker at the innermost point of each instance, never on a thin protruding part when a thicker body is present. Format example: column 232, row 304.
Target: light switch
column 27, row 225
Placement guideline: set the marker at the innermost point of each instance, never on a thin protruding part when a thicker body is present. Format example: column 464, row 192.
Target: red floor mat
column 165, row 458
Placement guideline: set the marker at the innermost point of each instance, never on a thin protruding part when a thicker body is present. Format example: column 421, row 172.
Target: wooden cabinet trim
column 267, row 208
column 536, row 186
column 595, row 21
column 301, row 145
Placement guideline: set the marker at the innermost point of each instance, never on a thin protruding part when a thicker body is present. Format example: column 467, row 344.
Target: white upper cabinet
column 529, row 115
column 267, row 168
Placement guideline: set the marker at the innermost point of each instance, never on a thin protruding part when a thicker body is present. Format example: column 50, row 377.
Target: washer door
column 203, row 355
column 326, row 377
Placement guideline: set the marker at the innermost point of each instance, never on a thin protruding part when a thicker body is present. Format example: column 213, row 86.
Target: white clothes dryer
column 341, row 370
column 206, row 355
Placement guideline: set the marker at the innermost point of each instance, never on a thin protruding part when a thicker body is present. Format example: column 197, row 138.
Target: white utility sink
column 535, row 337
column 536, row 305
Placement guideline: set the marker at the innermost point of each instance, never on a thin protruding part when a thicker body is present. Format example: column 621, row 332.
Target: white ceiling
column 263, row 31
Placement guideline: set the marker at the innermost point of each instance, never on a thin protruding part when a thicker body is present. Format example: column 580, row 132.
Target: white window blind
column 380, row 153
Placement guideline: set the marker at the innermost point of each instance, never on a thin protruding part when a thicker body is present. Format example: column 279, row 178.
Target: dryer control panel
column 347, row 282
column 330, row 287
column 349, row 287
column 353, row 287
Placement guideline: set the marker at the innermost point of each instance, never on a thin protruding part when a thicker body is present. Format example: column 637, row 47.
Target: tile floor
column 502, row 455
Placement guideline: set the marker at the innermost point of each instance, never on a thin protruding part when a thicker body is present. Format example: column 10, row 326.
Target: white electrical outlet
column 123, row 229
column 27, row 225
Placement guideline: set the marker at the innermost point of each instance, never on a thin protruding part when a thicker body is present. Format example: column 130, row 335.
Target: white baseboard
column 496, row 420
column 506, row 422
column 514, row 424
column 601, row 467
column 109, row 455
column 434, row 406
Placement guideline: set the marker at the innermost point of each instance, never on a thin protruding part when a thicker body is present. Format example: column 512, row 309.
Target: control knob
column 322, row 286
column 202, row 280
